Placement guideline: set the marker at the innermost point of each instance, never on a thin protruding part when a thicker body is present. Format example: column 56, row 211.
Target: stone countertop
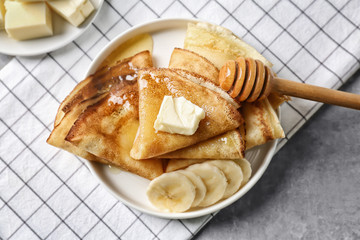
column 310, row 189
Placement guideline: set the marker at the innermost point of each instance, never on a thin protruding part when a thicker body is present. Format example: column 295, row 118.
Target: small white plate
column 64, row 33
column 130, row 188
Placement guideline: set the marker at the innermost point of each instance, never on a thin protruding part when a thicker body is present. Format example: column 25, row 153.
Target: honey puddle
column 129, row 48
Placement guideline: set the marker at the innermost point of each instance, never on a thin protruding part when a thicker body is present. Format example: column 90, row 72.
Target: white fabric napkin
column 48, row 193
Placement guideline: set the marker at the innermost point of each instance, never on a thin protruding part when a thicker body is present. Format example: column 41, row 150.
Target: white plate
column 130, row 188
column 64, row 33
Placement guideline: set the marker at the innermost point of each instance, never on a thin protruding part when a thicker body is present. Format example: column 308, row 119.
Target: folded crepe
column 230, row 145
column 108, row 128
column 220, row 115
column 193, row 62
column 88, row 92
column 218, row 45
column 101, row 81
column 262, row 123
column 57, row 136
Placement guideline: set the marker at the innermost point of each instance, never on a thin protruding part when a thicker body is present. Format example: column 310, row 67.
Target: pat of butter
column 73, row 11
column 178, row 115
column 26, row 21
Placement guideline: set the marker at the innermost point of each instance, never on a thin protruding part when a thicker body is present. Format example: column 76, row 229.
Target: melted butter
column 129, row 48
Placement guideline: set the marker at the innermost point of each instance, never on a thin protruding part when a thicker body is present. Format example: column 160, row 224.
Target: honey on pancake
column 129, row 48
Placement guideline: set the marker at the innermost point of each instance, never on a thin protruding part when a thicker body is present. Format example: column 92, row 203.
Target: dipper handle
column 249, row 80
column 315, row 93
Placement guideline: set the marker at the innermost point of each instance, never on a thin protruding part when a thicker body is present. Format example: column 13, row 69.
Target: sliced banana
column 172, row 192
column 214, row 180
column 246, row 169
column 233, row 174
column 200, row 187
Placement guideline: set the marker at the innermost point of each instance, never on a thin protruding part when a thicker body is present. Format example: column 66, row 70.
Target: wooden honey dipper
column 249, row 80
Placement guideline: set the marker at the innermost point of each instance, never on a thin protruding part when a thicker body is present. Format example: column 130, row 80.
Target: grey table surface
column 311, row 189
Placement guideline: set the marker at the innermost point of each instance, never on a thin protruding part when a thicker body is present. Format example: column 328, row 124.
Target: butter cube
column 73, row 11
column 178, row 115
column 26, row 21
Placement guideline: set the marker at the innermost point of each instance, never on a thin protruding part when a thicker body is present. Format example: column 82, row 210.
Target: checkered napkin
column 48, row 193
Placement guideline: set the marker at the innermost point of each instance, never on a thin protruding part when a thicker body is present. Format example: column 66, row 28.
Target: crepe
column 88, row 92
column 101, row 81
column 193, row 62
column 200, row 80
column 229, row 145
column 73, row 98
column 107, row 129
column 154, row 84
column 218, row 45
column 262, row 123
column 60, row 131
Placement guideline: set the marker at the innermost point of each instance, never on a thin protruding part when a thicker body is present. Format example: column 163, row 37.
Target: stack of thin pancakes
column 109, row 116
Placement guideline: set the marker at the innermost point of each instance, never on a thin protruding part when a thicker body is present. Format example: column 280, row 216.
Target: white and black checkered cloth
column 47, row 193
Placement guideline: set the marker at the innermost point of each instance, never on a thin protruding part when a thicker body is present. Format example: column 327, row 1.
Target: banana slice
column 246, row 169
column 171, row 192
column 214, row 180
column 233, row 174
column 200, row 187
